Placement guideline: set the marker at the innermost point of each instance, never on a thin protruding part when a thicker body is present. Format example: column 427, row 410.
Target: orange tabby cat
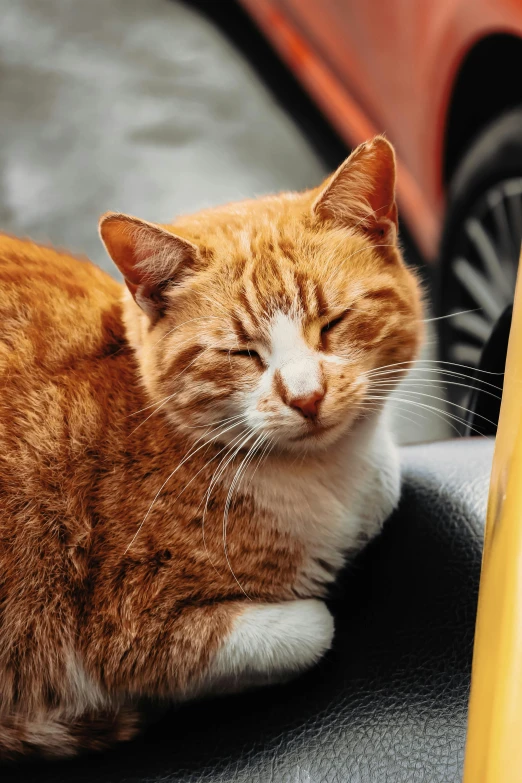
column 158, row 536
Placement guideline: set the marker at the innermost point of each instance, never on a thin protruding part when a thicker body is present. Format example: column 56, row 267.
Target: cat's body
column 134, row 559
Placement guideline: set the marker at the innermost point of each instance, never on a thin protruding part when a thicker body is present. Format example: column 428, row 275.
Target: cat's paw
column 270, row 643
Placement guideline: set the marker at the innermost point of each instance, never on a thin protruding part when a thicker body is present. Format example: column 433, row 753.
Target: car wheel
column 481, row 245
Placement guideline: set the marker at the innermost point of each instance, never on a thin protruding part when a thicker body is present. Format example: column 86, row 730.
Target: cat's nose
column 309, row 404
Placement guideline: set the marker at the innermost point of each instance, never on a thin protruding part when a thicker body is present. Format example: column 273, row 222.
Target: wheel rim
column 482, row 270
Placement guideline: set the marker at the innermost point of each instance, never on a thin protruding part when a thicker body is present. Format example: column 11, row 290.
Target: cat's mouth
column 315, row 431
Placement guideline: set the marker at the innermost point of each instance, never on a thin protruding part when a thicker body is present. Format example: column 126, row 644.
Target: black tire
column 481, row 243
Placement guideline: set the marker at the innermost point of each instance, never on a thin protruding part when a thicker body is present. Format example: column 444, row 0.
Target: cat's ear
column 148, row 256
column 361, row 193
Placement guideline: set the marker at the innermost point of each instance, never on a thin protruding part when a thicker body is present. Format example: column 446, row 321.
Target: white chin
column 318, row 438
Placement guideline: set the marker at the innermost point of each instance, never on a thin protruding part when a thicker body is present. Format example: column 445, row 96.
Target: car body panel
column 374, row 67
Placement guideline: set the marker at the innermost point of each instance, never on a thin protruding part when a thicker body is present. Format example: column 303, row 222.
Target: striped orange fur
column 154, row 512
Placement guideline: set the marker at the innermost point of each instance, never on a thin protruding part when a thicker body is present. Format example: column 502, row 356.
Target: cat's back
column 66, row 383
column 53, row 306
column 65, row 369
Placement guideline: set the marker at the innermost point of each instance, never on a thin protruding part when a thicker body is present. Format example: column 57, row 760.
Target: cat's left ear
column 361, row 193
column 148, row 256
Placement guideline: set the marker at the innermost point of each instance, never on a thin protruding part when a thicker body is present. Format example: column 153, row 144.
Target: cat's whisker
column 413, row 393
column 415, row 413
column 263, row 457
column 235, row 421
column 251, row 454
column 396, row 401
column 222, row 466
column 433, row 361
column 228, row 458
column 270, row 443
column 225, row 448
column 224, row 463
column 440, row 414
column 443, row 380
column 217, row 472
column 451, row 315
column 236, row 481
column 183, row 461
column 436, row 411
column 215, row 477
column 165, row 401
column 444, row 416
column 218, row 425
column 213, row 423
column 146, row 408
column 395, row 412
column 407, row 413
column 268, row 453
column 416, row 372
column 430, row 382
column 407, row 418
column 416, row 368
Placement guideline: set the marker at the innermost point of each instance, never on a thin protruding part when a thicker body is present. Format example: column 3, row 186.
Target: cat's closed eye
column 248, row 352
column 334, row 322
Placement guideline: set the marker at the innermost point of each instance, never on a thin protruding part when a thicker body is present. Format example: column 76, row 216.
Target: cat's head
column 262, row 321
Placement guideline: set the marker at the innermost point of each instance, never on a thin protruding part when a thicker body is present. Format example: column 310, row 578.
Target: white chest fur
column 335, row 501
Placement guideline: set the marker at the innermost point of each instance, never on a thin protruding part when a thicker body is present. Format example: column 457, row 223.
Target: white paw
column 270, row 643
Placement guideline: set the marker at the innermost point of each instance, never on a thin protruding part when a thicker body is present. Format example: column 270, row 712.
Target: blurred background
column 139, row 106
column 157, row 108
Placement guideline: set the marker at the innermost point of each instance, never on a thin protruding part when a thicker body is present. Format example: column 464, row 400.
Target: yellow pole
column 494, row 742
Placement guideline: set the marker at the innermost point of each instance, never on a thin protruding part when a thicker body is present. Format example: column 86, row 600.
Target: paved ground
column 140, row 106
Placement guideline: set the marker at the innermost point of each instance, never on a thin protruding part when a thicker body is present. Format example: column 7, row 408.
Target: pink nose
column 308, row 405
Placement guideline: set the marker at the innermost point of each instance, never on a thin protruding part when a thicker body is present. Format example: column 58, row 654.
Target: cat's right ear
column 361, row 193
column 148, row 256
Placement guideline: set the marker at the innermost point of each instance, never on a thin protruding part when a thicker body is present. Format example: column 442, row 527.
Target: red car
column 442, row 78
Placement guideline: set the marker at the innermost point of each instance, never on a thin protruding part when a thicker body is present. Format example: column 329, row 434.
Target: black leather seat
column 389, row 703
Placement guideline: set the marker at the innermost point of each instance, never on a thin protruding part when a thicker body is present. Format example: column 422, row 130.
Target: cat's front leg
column 208, row 648
column 267, row 643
